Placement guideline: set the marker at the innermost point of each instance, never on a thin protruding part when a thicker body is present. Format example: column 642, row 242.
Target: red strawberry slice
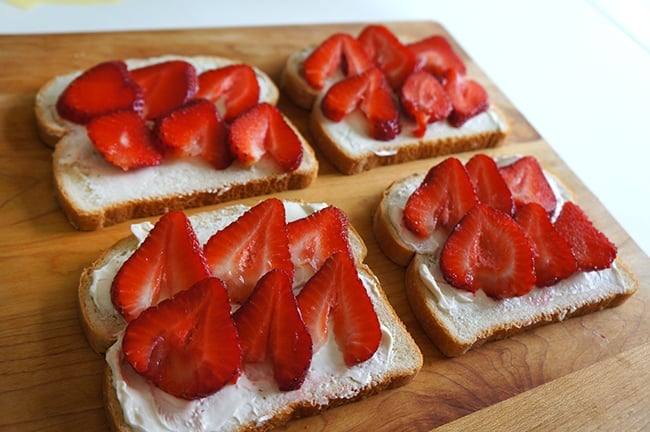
column 424, row 99
column 271, row 329
column 527, row 183
column 467, row 96
column 102, row 89
column 443, row 197
column 313, row 239
column 337, row 293
column 338, row 51
column 187, row 345
column 263, row 129
column 368, row 92
column 124, row 140
column 591, row 248
column 234, row 87
column 553, row 258
column 436, row 55
column 165, row 86
column 195, row 130
column 490, row 187
column 488, row 250
column 169, row 260
column 241, row 253
column 388, row 53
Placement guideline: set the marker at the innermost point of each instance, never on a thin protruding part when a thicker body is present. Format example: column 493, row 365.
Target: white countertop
column 578, row 70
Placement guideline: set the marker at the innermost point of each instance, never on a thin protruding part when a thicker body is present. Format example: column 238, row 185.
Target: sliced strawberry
column 187, row 345
column 338, row 51
column 100, row 90
column 234, row 87
column 368, row 92
column 241, row 253
column 388, row 53
column 490, row 187
column 436, row 55
column 443, row 197
column 263, row 129
column 313, row 239
column 336, row 292
column 591, row 248
column 165, row 86
column 169, row 260
column 270, row 327
column 124, row 140
column 467, row 96
column 488, row 250
column 424, row 99
column 195, row 130
column 553, row 258
column 527, row 183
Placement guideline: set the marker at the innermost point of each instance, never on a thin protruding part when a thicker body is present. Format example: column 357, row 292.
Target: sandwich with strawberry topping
column 494, row 247
column 378, row 99
column 241, row 319
column 139, row 137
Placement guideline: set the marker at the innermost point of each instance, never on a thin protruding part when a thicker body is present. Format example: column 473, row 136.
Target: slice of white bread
column 133, row 404
column 94, row 194
column 456, row 320
column 350, row 148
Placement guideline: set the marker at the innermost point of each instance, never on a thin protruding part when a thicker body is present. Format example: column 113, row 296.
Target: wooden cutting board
column 585, row 372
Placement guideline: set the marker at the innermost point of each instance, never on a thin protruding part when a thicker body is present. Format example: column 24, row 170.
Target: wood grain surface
column 586, row 373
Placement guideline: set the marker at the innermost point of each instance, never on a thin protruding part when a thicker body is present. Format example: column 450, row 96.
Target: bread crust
column 293, row 83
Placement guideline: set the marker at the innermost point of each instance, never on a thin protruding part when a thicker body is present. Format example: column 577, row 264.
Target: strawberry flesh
column 169, row 260
column 424, row 99
column 271, row 328
column 488, row 251
column 388, row 53
column 444, row 196
column 468, row 98
column 187, row 345
column 100, row 90
column 165, row 86
column 553, row 258
column 255, row 243
column 590, row 247
column 527, row 183
column 490, row 187
column 195, row 130
column 124, row 140
column 336, row 293
column 435, row 55
column 339, row 51
column 233, row 87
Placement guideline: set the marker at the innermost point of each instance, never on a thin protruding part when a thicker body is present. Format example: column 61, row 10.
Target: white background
column 578, row 70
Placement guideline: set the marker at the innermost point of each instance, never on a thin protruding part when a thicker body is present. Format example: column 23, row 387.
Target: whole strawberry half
column 590, row 247
column 553, row 258
column 444, row 196
column 468, row 97
column 339, row 51
column 436, row 55
column 527, row 183
column 271, row 328
column 169, row 260
column 102, row 89
column 388, row 53
column 187, row 345
column 248, row 248
column 261, row 130
column 370, row 93
column 124, row 140
column 195, row 130
column 424, row 99
column 488, row 251
column 491, row 188
column 165, row 86
column 336, row 296
column 233, row 87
